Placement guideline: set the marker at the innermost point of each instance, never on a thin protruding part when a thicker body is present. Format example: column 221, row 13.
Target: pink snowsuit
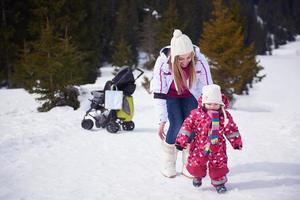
column 199, row 122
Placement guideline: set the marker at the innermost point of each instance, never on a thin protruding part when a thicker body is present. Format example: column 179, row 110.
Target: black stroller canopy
column 124, row 76
column 125, row 80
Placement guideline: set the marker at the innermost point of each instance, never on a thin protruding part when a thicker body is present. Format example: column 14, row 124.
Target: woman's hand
column 161, row 131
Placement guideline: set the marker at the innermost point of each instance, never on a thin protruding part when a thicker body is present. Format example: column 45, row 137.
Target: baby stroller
column 112, row 119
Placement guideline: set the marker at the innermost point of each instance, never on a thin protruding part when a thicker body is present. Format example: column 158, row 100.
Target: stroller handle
column 141, row 73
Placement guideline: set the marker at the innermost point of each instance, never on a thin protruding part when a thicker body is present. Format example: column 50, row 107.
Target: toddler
column 210, row 122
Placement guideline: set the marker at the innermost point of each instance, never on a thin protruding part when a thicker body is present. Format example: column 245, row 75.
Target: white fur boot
column 169, row 156
column 185, row 155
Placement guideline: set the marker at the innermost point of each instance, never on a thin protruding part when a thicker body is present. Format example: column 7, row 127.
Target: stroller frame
column 113, row 120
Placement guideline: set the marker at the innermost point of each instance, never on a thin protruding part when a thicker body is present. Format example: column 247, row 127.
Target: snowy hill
column 48, row 156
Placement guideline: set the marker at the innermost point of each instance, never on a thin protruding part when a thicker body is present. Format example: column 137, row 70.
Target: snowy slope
column 49, row 156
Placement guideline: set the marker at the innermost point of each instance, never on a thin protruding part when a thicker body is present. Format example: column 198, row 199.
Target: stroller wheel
column 128, row 126
column 97, row 124
column 87, row 124
column 101, row 121
column 112, row 127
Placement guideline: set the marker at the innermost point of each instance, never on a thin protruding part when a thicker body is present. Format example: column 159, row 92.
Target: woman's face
column 184, row 59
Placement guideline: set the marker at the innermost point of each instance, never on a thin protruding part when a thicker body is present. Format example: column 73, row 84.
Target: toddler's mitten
column 178, row 147
column 236, row 142
column 238, row 147
column 181, row 142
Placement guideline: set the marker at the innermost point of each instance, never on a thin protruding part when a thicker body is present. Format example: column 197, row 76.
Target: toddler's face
column 212, row 106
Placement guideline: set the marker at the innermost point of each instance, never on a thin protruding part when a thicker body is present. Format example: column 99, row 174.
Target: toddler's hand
column 178, row 147
column 238, row 147
column 181, row 142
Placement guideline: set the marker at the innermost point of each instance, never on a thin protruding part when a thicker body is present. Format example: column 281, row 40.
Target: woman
column 180, row 72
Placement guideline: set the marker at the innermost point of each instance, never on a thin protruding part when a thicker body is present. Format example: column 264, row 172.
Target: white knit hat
column 212, row 94
column 180, row 44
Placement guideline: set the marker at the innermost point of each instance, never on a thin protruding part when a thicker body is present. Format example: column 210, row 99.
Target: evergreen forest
column 48, row 47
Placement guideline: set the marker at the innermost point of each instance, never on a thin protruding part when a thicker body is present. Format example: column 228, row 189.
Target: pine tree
column 169, row 22
column 13, row 24
column 279, row 19
column 50, row 67
column 233, row 66
column 296, row 15
column 69, row 16
column 147, row 39
column 6, row 34
column 122, row 55
column 125, row 31
column 192, row 15
column 254, row 31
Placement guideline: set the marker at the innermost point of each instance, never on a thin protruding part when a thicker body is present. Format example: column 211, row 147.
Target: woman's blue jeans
column 178, row 109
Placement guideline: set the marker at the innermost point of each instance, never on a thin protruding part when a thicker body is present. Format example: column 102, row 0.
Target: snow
column 49, row 156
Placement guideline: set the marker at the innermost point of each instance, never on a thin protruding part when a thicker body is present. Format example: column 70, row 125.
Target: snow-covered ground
column 48, row 156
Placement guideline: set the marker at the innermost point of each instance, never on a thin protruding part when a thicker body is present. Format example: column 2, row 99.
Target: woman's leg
column 169, row 154
column 188, row 104
column 175, row 116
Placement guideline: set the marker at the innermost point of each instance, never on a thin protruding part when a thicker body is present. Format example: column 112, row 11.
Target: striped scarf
column 213, row 133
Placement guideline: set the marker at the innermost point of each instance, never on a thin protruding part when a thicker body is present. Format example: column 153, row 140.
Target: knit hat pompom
column 180, row 44
column 177, row 33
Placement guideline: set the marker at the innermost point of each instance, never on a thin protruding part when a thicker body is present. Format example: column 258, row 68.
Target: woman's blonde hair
column 179, row 75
